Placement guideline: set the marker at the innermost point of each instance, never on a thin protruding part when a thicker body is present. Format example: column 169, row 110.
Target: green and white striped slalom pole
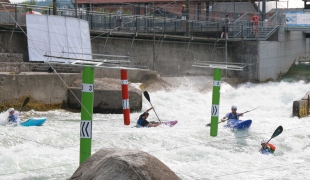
column 86, row 113
column 215, row 101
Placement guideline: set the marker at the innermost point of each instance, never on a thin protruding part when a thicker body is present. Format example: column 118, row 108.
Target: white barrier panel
column 54, row 35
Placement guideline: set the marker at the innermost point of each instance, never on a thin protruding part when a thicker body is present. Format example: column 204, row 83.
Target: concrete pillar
column 264, row 10
column 300, row 108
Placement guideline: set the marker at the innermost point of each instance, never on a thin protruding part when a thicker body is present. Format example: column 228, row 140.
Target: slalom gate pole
column 215, row 101
column 86, row 112
column 125, row 97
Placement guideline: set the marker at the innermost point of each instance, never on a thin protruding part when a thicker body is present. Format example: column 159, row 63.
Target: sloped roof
column 7, row 8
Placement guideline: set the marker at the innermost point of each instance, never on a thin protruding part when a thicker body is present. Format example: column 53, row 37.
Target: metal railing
column 239, row 27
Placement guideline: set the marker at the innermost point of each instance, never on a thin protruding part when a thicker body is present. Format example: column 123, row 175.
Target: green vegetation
column 38, row 106
column 45, row 10
column 31, row 2
column 28, row 5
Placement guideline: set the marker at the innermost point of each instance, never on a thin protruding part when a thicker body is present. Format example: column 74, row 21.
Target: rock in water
column 123, row 164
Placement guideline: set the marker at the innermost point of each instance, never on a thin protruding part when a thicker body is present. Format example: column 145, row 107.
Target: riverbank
column 49, row 91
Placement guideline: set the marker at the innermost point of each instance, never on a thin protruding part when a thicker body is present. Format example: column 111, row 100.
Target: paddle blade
column 147, row 96
column 277, row 132
column 26, row 102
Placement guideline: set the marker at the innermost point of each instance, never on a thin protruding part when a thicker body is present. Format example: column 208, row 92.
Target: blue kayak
column 238, row 124
column 34, row 121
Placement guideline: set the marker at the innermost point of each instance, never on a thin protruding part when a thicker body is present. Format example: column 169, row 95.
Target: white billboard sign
column 297, row 19
column 57, row 36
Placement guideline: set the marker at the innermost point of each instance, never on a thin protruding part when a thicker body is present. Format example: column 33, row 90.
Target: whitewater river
column 52, row 151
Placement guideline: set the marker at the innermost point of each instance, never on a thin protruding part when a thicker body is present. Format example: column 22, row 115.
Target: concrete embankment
column 63, row 90
column 54, row 91
column 46, row 91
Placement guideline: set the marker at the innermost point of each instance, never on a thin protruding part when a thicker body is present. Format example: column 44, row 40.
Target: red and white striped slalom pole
column 125, row 97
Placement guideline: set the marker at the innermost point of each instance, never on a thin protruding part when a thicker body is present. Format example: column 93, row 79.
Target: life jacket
column 269, row 150
column 266, row 151
column 12, row 118
column 139, row 122
column 233, row 116
column 142, row 122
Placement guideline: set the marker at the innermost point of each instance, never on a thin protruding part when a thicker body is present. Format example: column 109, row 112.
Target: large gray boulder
column 119, row 164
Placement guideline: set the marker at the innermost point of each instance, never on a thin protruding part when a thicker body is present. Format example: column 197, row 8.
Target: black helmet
column 144, row 114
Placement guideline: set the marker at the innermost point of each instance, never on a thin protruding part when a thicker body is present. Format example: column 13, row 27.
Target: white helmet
column 11, row 109
column 234, row 107
column 263, row 141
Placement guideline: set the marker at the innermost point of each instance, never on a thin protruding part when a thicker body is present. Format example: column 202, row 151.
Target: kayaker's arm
column 149, row 109
column 224, row 119
column 153, row 124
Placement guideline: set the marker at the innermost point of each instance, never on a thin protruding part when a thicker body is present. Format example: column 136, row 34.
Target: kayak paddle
column 240, row 113
column 147, row 96
column 276, row 133
column 250, row 110
column 24, row 104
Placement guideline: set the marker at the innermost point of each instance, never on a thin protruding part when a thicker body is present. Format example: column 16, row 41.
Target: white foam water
column 52, row 150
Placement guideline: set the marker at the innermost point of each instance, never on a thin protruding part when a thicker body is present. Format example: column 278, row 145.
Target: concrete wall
column 50, row 91
column 133, row 75
column 16, row 67
column 13, row 42
column 43, row 88
column 245, row 52
column 264, row 59
column 276, row 57
column 175, row 58
column 172, row 58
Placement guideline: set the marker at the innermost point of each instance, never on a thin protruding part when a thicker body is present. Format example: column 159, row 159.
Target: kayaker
column 142, row 122
column 232, row 115
column 267, row 148
column 13, row 117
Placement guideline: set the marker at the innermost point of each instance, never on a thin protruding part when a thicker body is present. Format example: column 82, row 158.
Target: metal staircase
column 263, row 32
